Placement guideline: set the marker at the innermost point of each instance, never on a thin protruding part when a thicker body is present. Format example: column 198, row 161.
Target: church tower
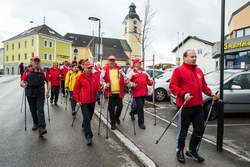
column 132, row 31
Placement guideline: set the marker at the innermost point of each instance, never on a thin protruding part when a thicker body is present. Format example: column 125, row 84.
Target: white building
column 203, row 50
column 1, row 60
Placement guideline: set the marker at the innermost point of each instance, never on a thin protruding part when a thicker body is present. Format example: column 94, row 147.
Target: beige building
column 237, row 43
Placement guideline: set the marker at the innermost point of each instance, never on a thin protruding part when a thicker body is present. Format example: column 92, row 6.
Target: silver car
column 161, row 87
column 236, row 92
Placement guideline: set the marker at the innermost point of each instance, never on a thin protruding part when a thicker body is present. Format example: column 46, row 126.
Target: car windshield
column 165, row 75
column 213, row 78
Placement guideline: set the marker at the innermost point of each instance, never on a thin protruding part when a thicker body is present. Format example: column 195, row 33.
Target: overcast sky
column 191, row 17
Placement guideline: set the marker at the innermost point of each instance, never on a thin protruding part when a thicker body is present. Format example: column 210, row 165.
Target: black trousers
column 87, row 112
column 72, row 101
column 115, row 101
column 194, row 115
column 140, row 108
column 54, row 93
column 37, row 110
column 63, row 87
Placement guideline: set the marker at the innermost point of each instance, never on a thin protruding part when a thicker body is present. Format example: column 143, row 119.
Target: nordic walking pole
column 48, row 108
column 107, row 124
column 21, row 109
column 127, row 107
column 99, row 125
column 205, row 125
column 74, row 118
column 170, row 122
column 66, row 99
column 25, row 117
column 133, row 123
column 154, row 88
column 61, row 90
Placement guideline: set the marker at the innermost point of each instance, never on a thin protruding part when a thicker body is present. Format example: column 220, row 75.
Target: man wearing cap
column 33, row 80
column 64, row 68
column 112, row 80
column 138, row 80
column 85, row 94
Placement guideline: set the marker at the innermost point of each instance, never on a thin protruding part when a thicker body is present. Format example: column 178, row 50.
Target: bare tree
column 148, row 15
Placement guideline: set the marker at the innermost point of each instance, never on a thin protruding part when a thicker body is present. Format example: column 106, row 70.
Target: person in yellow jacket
column 70, row 81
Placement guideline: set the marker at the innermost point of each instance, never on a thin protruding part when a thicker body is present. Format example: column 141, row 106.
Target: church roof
column 132, row 12
column 111, row 46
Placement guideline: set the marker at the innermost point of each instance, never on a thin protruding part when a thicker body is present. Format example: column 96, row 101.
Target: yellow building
column 42, row 41
column 237, row 43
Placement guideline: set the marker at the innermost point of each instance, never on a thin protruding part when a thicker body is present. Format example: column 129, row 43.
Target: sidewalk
column 163, row 153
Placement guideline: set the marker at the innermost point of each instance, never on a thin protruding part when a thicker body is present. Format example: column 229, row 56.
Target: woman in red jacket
column 55, row 75
column 138, row 81
column 85, row 94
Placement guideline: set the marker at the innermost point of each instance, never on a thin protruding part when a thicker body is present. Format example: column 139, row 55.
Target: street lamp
column 99, row 39
column 102, row 47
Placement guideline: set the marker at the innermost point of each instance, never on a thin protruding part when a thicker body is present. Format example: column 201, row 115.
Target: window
column 7, row 47
column 247, row 31
column 25, row 44
column 239, row 33
column 45, row 43
column 135, row 22
column 199, row 51
column 19, row 45
column 7, row 58
column 51, row 44
column 32, row 42
column 25, row 56
column 45, row 56
column 135, row 29
column 245, row 81
column 50, row 56
column 13, row 46
column 125, row 30
column 32, row 54
column 19, row 57
column 13, row 57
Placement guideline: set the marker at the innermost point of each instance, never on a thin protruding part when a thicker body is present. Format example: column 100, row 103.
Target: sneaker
column 113, row 127
column 42, row 132
column 132, row 115
column 180, row 156
column 194, row 155
column 89, row 141
column 51, row 101
column 35, row 127
column 73, row 113
column 55, row 103
column 142, row 126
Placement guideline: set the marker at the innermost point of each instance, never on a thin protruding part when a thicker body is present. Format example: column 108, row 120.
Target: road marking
column 233, row 151
column 143, row 158
column 232, row 125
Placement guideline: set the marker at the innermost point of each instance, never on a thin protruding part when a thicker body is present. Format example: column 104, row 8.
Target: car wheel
column 160, row 94
column 214, row 112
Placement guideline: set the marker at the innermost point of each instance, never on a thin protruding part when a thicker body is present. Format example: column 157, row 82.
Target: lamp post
column 102, row 48
column 99, row 39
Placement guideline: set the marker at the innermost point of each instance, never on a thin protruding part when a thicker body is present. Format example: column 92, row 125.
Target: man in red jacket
column 138, row 80
column 112, row 80
column 55, row 75
column 188, row 84
column 64, row 68
column 85, row 94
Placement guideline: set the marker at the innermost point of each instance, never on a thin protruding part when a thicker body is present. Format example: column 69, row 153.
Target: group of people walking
column 84, row 83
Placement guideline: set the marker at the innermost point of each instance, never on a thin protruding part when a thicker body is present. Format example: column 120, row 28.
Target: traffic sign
column 75, row 51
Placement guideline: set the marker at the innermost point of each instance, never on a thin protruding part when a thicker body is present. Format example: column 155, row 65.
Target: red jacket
column 55, row 75
column 64, row 70
column 188, row 79
column 85, row 88
column 141, row 79
column 105, row 78
column 97, row 72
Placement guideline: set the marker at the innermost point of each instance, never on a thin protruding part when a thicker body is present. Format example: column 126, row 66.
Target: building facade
column 42, row 41
column 203, row 49
column 132, row 32
column 1, row 61
column 237, row 43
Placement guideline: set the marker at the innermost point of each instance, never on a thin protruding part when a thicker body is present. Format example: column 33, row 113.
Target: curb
column 143, row 158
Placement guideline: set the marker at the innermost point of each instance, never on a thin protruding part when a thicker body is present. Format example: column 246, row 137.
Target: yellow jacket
column 70, row 79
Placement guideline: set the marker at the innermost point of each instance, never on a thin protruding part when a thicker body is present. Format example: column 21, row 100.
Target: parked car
column 161, row 87
column 236, row 92
column 157, row 72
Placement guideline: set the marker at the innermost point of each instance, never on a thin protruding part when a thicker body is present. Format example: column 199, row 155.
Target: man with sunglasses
column 33, row 80
column 112, row 80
